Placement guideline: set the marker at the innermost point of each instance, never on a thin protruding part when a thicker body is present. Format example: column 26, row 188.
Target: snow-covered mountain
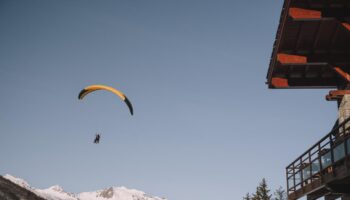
column 57, row 193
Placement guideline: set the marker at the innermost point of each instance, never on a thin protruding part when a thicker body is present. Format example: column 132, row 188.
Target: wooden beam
column 346, row 25
column 342, row 74
column 289, row 58
column 279, row 82
column 336, row 94
column 332, row 196
column 300, row 13
column 339, row 92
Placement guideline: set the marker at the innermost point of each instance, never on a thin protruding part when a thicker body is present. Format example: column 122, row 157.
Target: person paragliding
column 92, row 88
column 97, row 138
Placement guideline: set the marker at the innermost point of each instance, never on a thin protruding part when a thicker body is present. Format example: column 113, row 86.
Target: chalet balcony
column 324, row 169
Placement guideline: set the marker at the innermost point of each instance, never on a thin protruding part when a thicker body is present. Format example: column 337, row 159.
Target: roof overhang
column 312, row 42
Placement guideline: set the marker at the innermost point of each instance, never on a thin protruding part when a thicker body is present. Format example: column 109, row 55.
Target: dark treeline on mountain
column 263, row 193
column 12, row 191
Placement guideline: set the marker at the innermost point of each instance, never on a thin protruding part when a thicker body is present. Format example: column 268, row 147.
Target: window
column 306, row 172
column 339, row 152
column 326, row 160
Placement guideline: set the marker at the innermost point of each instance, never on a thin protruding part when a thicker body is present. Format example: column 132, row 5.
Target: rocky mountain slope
column 12, row 191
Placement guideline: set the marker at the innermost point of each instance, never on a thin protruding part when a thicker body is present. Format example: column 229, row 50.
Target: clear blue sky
column 205, row 125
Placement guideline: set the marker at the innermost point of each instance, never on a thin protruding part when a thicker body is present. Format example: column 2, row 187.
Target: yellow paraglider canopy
column 93, row 88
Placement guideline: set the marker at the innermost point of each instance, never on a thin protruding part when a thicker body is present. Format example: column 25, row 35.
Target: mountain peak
column 117, row 193
column 108, row 193
column 56, row 188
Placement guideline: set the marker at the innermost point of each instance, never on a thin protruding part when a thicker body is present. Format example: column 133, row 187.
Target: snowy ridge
column 57, row 193
column 18, row 181
column 117, row 193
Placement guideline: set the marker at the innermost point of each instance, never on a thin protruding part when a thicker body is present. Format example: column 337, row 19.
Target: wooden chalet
column 312, row 50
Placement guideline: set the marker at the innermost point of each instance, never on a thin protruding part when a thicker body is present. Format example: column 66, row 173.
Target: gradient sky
column 205, row 125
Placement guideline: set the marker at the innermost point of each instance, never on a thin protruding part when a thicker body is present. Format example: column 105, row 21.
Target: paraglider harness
column 97, row 138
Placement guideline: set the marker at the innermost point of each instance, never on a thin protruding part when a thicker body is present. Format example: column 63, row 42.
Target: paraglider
column 93, row 88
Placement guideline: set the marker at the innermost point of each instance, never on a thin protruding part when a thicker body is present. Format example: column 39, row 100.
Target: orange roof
column 312, row 46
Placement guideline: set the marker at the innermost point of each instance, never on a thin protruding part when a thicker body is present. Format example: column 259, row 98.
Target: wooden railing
column 320, row 159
